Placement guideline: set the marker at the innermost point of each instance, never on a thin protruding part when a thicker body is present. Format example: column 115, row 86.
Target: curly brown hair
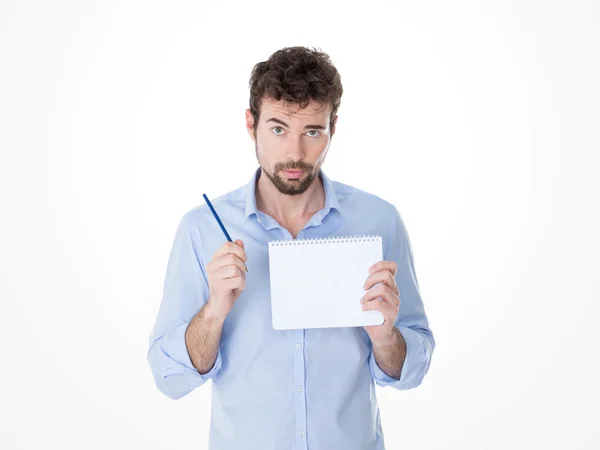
column 296, row 75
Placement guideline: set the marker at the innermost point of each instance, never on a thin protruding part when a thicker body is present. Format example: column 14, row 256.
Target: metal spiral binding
column 326, row 240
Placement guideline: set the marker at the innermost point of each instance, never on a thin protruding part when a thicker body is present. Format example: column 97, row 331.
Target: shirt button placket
column 300, row 397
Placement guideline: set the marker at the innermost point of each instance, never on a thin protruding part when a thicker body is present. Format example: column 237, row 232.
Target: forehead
column 292, row 111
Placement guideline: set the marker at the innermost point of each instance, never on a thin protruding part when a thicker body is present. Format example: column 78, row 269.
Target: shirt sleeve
column 411, row 321
column 185, row 291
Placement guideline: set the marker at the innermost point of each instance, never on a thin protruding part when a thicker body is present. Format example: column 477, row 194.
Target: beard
column 289, row 186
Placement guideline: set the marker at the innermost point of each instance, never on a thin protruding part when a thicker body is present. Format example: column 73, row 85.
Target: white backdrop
column 478, row 120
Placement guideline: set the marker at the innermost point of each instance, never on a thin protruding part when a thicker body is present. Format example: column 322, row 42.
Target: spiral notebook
column 318, row 283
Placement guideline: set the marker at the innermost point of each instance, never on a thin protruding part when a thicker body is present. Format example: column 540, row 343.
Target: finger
column 384, row 265
column 231, row 247
column 379, row 305
column 381, row 291
column 227, row 260
column 230, row 271
column 241, row 244
column 388, row 311
column 235, row 283
column 383, row 276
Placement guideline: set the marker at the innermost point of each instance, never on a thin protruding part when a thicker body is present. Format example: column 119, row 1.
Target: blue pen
column 218, row 219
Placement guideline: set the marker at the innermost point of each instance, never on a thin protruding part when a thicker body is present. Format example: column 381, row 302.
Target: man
column 295, row 389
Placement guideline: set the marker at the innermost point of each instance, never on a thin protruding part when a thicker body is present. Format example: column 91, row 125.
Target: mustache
column 293, row 166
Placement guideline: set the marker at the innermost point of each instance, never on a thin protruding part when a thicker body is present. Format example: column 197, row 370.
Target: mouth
column 293, row 174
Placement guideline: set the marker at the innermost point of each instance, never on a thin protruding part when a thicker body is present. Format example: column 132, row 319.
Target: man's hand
column 385, row 298
column 226, row 278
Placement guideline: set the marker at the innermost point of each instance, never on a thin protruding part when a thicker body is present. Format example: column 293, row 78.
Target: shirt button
column 298, row 346
column 299, row 388
column 301, row 433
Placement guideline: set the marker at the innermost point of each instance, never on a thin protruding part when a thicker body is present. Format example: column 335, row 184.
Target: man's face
column 291, row 143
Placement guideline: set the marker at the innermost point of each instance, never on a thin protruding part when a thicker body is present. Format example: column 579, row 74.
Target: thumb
column 239, row 242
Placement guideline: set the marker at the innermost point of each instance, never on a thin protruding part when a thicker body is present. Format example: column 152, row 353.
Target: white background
column 478, row 120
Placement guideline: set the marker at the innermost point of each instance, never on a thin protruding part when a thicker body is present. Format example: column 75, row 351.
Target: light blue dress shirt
column 311, row 389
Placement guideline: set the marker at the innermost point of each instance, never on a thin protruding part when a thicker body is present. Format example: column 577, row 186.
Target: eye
column 317, row 133
column 277, row 130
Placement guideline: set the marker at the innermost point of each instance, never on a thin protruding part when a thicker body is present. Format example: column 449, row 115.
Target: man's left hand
column 385, row 298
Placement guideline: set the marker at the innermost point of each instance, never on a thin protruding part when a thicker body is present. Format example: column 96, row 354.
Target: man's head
column 294, row 98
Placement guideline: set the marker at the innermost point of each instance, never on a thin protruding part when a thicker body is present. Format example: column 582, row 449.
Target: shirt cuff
column 173, row 346
column 413, row 368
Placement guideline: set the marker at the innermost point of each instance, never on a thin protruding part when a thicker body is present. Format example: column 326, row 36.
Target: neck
column 287, row 208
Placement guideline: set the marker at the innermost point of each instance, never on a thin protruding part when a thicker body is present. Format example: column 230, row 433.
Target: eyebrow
column 281, row 122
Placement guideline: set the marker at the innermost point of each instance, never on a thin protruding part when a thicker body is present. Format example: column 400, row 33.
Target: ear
column 333, row 122
column 250, row 124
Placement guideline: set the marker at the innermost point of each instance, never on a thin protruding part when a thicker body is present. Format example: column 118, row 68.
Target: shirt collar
column 331, row 196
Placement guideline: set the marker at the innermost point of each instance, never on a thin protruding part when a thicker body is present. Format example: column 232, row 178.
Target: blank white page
column 318, row 283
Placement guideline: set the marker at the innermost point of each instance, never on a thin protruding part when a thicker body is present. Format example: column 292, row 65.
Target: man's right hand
column 226, row 278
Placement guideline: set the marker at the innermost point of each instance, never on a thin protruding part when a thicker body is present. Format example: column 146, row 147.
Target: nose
column 296, row 151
